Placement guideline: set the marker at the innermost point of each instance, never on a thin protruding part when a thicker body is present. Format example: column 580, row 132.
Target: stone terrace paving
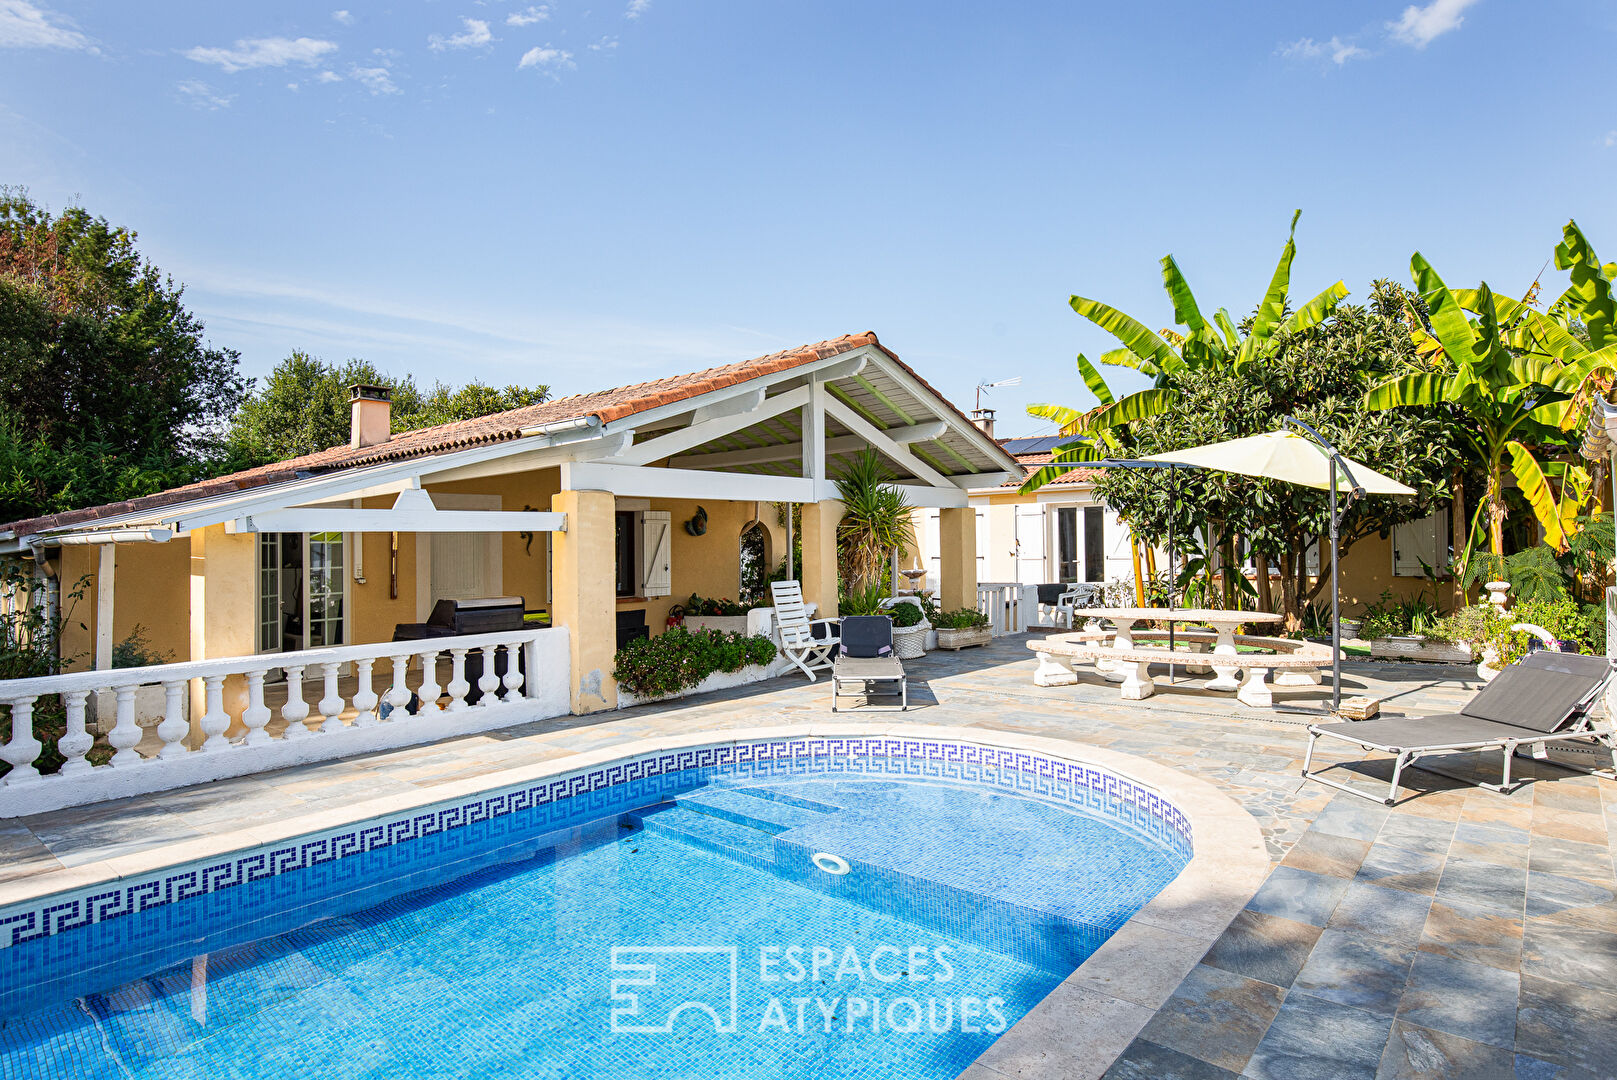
column 1459, row 934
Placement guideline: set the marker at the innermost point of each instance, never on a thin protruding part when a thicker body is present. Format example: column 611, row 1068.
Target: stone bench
column 1059, row 655
column 1287, row 676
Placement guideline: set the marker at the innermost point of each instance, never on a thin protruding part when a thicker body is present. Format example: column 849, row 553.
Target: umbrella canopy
column 1282, row 455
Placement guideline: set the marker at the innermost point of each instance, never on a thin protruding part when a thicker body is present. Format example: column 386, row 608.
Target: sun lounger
column 867, row 659
column 1545, row 698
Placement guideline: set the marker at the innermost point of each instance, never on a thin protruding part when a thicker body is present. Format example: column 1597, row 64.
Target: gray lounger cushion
column 1403, row 732
column 868, row 667
column 1541, row 692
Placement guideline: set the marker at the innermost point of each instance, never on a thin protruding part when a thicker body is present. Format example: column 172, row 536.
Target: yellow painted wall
column 708, row 565
column 152, row 588
column 1367, row 570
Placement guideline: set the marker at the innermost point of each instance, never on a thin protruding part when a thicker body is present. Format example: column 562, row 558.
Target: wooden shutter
column 656, row 553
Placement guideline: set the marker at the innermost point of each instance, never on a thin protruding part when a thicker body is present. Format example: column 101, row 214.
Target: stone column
column 819, row 573
column 584, row 596
column 224, row 611
column 957, row 557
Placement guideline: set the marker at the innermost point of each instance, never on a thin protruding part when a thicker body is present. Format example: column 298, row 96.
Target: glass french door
column 301, row 591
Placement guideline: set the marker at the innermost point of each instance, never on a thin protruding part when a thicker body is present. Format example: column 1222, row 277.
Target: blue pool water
column 667, row 930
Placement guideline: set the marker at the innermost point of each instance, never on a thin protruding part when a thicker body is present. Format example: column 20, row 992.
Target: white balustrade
column 235, row 732
column 1001, row 601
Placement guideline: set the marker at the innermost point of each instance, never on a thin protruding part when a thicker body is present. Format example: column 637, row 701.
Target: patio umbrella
column 1289, row 456
column 1297, row 454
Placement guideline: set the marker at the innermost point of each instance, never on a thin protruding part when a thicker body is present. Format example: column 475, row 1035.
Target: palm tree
column 875, row 521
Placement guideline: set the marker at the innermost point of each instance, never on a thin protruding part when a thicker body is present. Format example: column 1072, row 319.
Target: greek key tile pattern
column 571, row 800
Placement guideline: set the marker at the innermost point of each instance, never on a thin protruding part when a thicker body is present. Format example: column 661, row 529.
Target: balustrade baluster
column 125, row 733
column 430, row 690
column 215, row 721
column 457, row 680
column 175, row 727
column 513, row 673
column 331, row 702
column 365, row 698
column 22, row 748
column 398, row 695
column 77, row 742
column 296, row 711
column 488, row 682
column 257, row 714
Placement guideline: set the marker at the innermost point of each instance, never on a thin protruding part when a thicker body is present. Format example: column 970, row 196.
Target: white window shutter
column 656, row 553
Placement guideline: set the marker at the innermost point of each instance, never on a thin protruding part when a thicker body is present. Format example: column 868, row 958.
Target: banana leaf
column 1536, row 490
column 1232, row 336
column 1411, row 390
column 1185, row 311
column 1137, row 406
column 1591, row 287
column 1140, row 341
column 1316, row 310
column 1449, row 324
column 1094, row 380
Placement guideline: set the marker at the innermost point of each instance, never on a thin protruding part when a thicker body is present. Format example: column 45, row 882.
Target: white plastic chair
column 1081, row 595
column 797, row 640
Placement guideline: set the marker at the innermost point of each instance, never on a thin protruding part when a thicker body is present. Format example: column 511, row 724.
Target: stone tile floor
column 1460, row 933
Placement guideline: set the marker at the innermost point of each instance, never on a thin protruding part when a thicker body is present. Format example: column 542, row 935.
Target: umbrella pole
column 1173, row 506
column 1336, row 603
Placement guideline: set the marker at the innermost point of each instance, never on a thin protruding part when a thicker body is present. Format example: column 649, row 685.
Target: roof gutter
column 115, row 536
column 559, row 427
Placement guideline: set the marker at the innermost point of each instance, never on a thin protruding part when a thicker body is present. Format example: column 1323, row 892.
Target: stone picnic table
column 1223, row 623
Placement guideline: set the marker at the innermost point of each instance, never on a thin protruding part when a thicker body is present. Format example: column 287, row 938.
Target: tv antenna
column 1015, row 380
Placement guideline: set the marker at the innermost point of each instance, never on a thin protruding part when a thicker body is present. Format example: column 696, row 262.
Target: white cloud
column 378, row 80
column 344, row 16
column 637, row 8
column 548, row 58
column 1338, row 51
column 528, row 17
column 475, row 34
column 608, row 42
column 264, row 52
column 328, row 77
column 203, row 96
column 24, row 26
column 1611, row 138
column 1419, row 25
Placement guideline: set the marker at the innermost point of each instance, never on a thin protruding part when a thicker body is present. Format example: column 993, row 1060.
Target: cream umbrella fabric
column 1282, row 455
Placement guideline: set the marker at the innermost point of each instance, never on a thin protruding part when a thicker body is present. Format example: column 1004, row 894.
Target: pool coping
column 1076, row 1032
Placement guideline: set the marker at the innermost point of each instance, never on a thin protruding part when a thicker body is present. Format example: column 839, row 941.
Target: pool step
column 718, row 835
column 741, row 807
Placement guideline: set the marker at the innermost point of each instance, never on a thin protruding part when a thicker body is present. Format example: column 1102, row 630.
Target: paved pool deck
column 1460, row 933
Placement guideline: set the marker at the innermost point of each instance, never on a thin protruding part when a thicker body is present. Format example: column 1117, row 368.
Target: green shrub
column 720, row 606
column 678, row 659
column 905, row 614
column 960, row 619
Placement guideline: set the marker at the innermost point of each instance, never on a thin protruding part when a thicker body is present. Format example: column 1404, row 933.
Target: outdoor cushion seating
column 1544, row 698
column 798, row 642
column 867, row 659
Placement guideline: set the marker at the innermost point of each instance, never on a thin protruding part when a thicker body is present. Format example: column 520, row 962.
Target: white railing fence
column 1001, row 601
column 222, row 744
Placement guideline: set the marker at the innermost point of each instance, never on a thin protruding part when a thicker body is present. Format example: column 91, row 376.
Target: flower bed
column 680, row 661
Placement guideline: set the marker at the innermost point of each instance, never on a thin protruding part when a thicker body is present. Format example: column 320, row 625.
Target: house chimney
column 984, row 419
column 372, row 417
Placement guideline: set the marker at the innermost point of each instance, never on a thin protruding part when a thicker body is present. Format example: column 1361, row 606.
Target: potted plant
column 962, row 627
column 910, row 627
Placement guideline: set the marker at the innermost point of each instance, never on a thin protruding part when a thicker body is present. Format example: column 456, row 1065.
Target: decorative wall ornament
column 697, row 525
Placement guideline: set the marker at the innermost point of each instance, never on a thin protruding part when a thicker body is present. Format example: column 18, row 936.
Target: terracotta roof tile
column 608, row 405
column 1070, row 478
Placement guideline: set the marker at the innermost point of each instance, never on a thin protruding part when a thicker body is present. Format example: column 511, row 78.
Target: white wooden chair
column 797, row 640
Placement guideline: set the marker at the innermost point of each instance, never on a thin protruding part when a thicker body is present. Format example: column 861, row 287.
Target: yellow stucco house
column 577, row 506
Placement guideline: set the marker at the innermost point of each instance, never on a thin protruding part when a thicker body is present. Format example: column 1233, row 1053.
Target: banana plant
column 1514, row 400
column 1161, row 356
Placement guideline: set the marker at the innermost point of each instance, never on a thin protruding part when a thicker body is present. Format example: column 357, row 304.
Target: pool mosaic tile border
column 1086, row 786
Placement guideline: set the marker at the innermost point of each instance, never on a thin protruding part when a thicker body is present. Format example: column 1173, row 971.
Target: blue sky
column 592, row 194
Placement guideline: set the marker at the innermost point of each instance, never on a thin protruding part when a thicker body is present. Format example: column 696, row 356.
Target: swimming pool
column 659, row 916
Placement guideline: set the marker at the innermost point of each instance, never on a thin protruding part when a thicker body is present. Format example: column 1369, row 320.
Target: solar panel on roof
column 1037, row 445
